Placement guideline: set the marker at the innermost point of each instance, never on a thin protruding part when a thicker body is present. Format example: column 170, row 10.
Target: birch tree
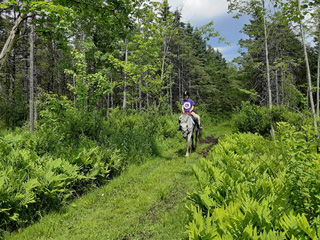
column 295, row 13
column 6, row 50
column 31, row 86
column 249, row 7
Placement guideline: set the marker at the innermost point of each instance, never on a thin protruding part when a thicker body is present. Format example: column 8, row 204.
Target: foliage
column 252, row 188
column 71, row 151
column 255, row 119
column 13, row 113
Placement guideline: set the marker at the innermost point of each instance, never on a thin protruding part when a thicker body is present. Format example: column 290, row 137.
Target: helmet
column 185, row 93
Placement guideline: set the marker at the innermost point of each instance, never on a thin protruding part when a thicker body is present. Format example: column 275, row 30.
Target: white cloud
column 197, row 10
column 225, row 49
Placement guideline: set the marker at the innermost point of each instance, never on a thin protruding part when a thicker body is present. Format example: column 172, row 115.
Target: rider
column 187, row 105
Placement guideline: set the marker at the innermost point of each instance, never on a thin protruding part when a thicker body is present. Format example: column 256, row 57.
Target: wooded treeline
column 107, row 54
column 135, row 54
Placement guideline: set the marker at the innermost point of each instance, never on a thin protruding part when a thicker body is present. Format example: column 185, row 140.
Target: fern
column 251, row 188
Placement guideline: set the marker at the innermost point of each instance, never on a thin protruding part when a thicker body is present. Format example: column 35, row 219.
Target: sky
column 200, row 12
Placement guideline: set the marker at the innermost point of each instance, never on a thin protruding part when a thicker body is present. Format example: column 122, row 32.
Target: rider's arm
column 192, row 108
column 182, row 108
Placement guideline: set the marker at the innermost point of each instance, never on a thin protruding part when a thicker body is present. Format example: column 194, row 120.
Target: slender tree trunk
column 111, row 92
column 171, row 104
column 107, row 105
column 179, row 73
column 268, row 68
column 140, row 96
column 125, row 80
column 13, row 76
column 74, row 95
column 282, row 85
column 308, row 73
column 6, row 50
column 137, row 104
column 318, row 80
column 147, row 97
column 163, row 61
column 277, row 89
column 31, row 86
column 35, row 82
column 25, row 66
column 179, row 76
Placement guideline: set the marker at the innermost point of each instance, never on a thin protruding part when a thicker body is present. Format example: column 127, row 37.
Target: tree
column 31, row 101
column 293, row 12
column 6, row 50
column 259, row 10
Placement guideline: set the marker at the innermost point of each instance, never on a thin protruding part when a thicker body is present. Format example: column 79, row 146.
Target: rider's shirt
column 187, row 104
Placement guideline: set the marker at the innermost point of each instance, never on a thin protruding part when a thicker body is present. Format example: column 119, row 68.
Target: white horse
column 188, row 127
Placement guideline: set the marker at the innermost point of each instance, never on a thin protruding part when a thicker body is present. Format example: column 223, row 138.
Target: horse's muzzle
column 184, row 134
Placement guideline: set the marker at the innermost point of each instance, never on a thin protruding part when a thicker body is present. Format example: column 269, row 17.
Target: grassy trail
column 145, row 202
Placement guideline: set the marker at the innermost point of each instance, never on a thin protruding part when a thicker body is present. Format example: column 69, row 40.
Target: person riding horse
column 190, row 131
column 187, row 106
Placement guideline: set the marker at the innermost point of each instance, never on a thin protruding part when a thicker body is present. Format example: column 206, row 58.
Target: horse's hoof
column 187, row 155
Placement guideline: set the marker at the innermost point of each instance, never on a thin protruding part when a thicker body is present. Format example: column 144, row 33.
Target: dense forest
column 88, row 88
column 131, row 55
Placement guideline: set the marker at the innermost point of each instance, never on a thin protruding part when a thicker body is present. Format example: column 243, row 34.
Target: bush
column 31, row 184
column 70, row 152
column 13, row 110
column 255, row 119
column 252, row 188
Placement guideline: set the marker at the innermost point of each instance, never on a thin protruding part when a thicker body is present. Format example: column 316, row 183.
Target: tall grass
column 70, row 152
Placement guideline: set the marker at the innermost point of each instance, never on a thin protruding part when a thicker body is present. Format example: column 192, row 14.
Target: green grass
column 146, row 201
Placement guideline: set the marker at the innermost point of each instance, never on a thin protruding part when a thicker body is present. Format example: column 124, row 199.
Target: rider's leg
column 197, row 117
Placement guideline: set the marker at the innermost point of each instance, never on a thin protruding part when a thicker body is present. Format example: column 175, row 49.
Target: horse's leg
column 197, row 136
column 188, row 144
column 192, row 145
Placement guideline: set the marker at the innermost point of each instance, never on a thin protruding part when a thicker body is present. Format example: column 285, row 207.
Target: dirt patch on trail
column 208, row 140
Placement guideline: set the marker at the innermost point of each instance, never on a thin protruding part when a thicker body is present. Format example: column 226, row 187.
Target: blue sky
column 200, row 12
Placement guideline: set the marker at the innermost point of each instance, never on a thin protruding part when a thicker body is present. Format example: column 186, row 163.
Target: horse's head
column 186, row 124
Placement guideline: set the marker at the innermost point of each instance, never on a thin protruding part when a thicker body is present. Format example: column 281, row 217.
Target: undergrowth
column 253, row 188
column 70, row 152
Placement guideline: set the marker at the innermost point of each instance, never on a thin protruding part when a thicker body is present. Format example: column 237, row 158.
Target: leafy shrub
column 30, row 184
column 252, row 188
column 255, row 119
column 70, row 152
column 13, row 110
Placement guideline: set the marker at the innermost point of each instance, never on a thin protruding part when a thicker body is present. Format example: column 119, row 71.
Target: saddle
column 194, row 120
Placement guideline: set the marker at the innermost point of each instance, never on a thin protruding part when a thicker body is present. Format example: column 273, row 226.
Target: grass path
column 145, row 202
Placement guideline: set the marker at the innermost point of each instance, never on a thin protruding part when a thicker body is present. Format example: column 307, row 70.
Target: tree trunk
column 180, row 88
column 35, row 82
column 31, row 86
column 282, row 85
column 171, row 104
column 111, row 100
column 147, row 98
column 6, row 50
column 318, row 79
column 140, row 96
column 277, row 89
column 308, row 73
column 107, row 105
column 74, row 95
column 268, row 68
column 125, row 80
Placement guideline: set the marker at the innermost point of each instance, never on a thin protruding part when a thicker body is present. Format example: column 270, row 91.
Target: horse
column 188, row 127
